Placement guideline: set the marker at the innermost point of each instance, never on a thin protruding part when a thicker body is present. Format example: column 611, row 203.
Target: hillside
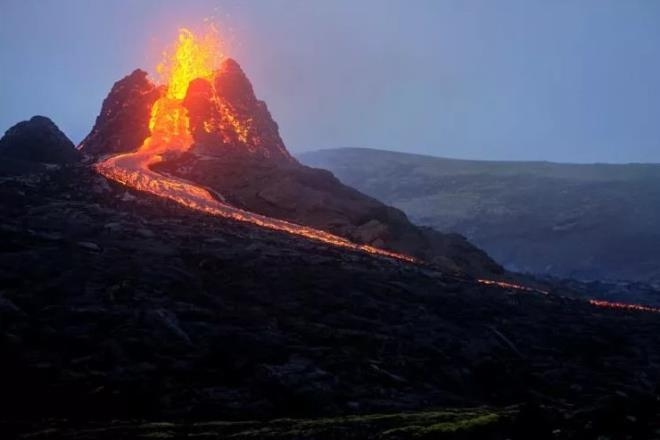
column 124, row 314
column 120, row 305
column 581, row 221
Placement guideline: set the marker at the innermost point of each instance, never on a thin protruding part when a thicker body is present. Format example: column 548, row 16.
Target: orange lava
column 593, row 302
column 197, row 57
column 623, row 306
column 505, row 285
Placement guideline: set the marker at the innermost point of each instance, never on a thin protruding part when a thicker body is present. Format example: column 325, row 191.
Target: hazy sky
column 549, row 79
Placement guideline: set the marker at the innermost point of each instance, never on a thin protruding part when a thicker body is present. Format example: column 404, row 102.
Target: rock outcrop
column 123, row 123
column 38, row 140
column 225, row 117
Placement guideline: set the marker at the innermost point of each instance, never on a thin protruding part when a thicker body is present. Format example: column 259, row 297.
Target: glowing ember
column 170, row 132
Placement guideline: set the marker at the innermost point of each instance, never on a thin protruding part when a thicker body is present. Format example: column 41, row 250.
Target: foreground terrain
column 595, row 222
column 117, row 305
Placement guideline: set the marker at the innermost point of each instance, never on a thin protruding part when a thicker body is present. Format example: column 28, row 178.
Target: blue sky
column 575, row 81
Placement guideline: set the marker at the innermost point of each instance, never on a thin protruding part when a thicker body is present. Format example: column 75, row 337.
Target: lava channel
column 132, row 169
column 620, row 306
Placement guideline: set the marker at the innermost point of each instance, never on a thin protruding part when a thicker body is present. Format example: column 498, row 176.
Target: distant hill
column 593, row 221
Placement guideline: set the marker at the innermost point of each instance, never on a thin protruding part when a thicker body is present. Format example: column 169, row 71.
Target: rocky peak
column 123, row 123
column 232, row 85
column 38, row 140
column 225, row 117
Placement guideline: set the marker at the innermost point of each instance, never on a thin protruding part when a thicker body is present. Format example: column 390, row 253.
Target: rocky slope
column 123, row 123
column 577, row 221
column 227, row 118
column 124, row 315
column 238, row 153
column 117, row 305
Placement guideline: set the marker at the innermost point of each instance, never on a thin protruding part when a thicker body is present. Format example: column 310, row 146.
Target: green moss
column 458, row 424
column 445, row 423
column 399, row 426
column 465, row 424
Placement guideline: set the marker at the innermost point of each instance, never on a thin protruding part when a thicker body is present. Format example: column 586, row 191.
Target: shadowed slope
column 590, row 221
column 237, row 152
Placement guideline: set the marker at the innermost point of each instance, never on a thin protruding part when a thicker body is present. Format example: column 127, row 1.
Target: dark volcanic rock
column 166, row 312
column 314, row 197
column 123, row 123
column 37, row 140
column 226, row 117
column 584, row 221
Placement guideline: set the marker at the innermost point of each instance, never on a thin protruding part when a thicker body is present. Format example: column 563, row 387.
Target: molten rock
column 225, row 117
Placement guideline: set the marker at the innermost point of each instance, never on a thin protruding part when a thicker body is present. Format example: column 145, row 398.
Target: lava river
column 133, row 169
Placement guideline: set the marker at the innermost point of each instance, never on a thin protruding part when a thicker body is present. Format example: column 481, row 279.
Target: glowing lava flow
column 133, row 170
column 623, row 306
column 169, row 125
column 593, row 302
column 511, row 286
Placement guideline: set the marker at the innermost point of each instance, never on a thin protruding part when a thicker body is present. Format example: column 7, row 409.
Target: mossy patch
column 446, row 423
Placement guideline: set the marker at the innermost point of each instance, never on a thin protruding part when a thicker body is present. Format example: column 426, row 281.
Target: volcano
column 190, row 278
column 204, row 140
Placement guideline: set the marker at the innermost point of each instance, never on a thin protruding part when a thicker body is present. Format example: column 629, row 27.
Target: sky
column 567, row 81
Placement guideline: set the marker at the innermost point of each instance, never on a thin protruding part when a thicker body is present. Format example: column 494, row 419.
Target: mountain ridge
column 496, row 162
column 586, row 221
